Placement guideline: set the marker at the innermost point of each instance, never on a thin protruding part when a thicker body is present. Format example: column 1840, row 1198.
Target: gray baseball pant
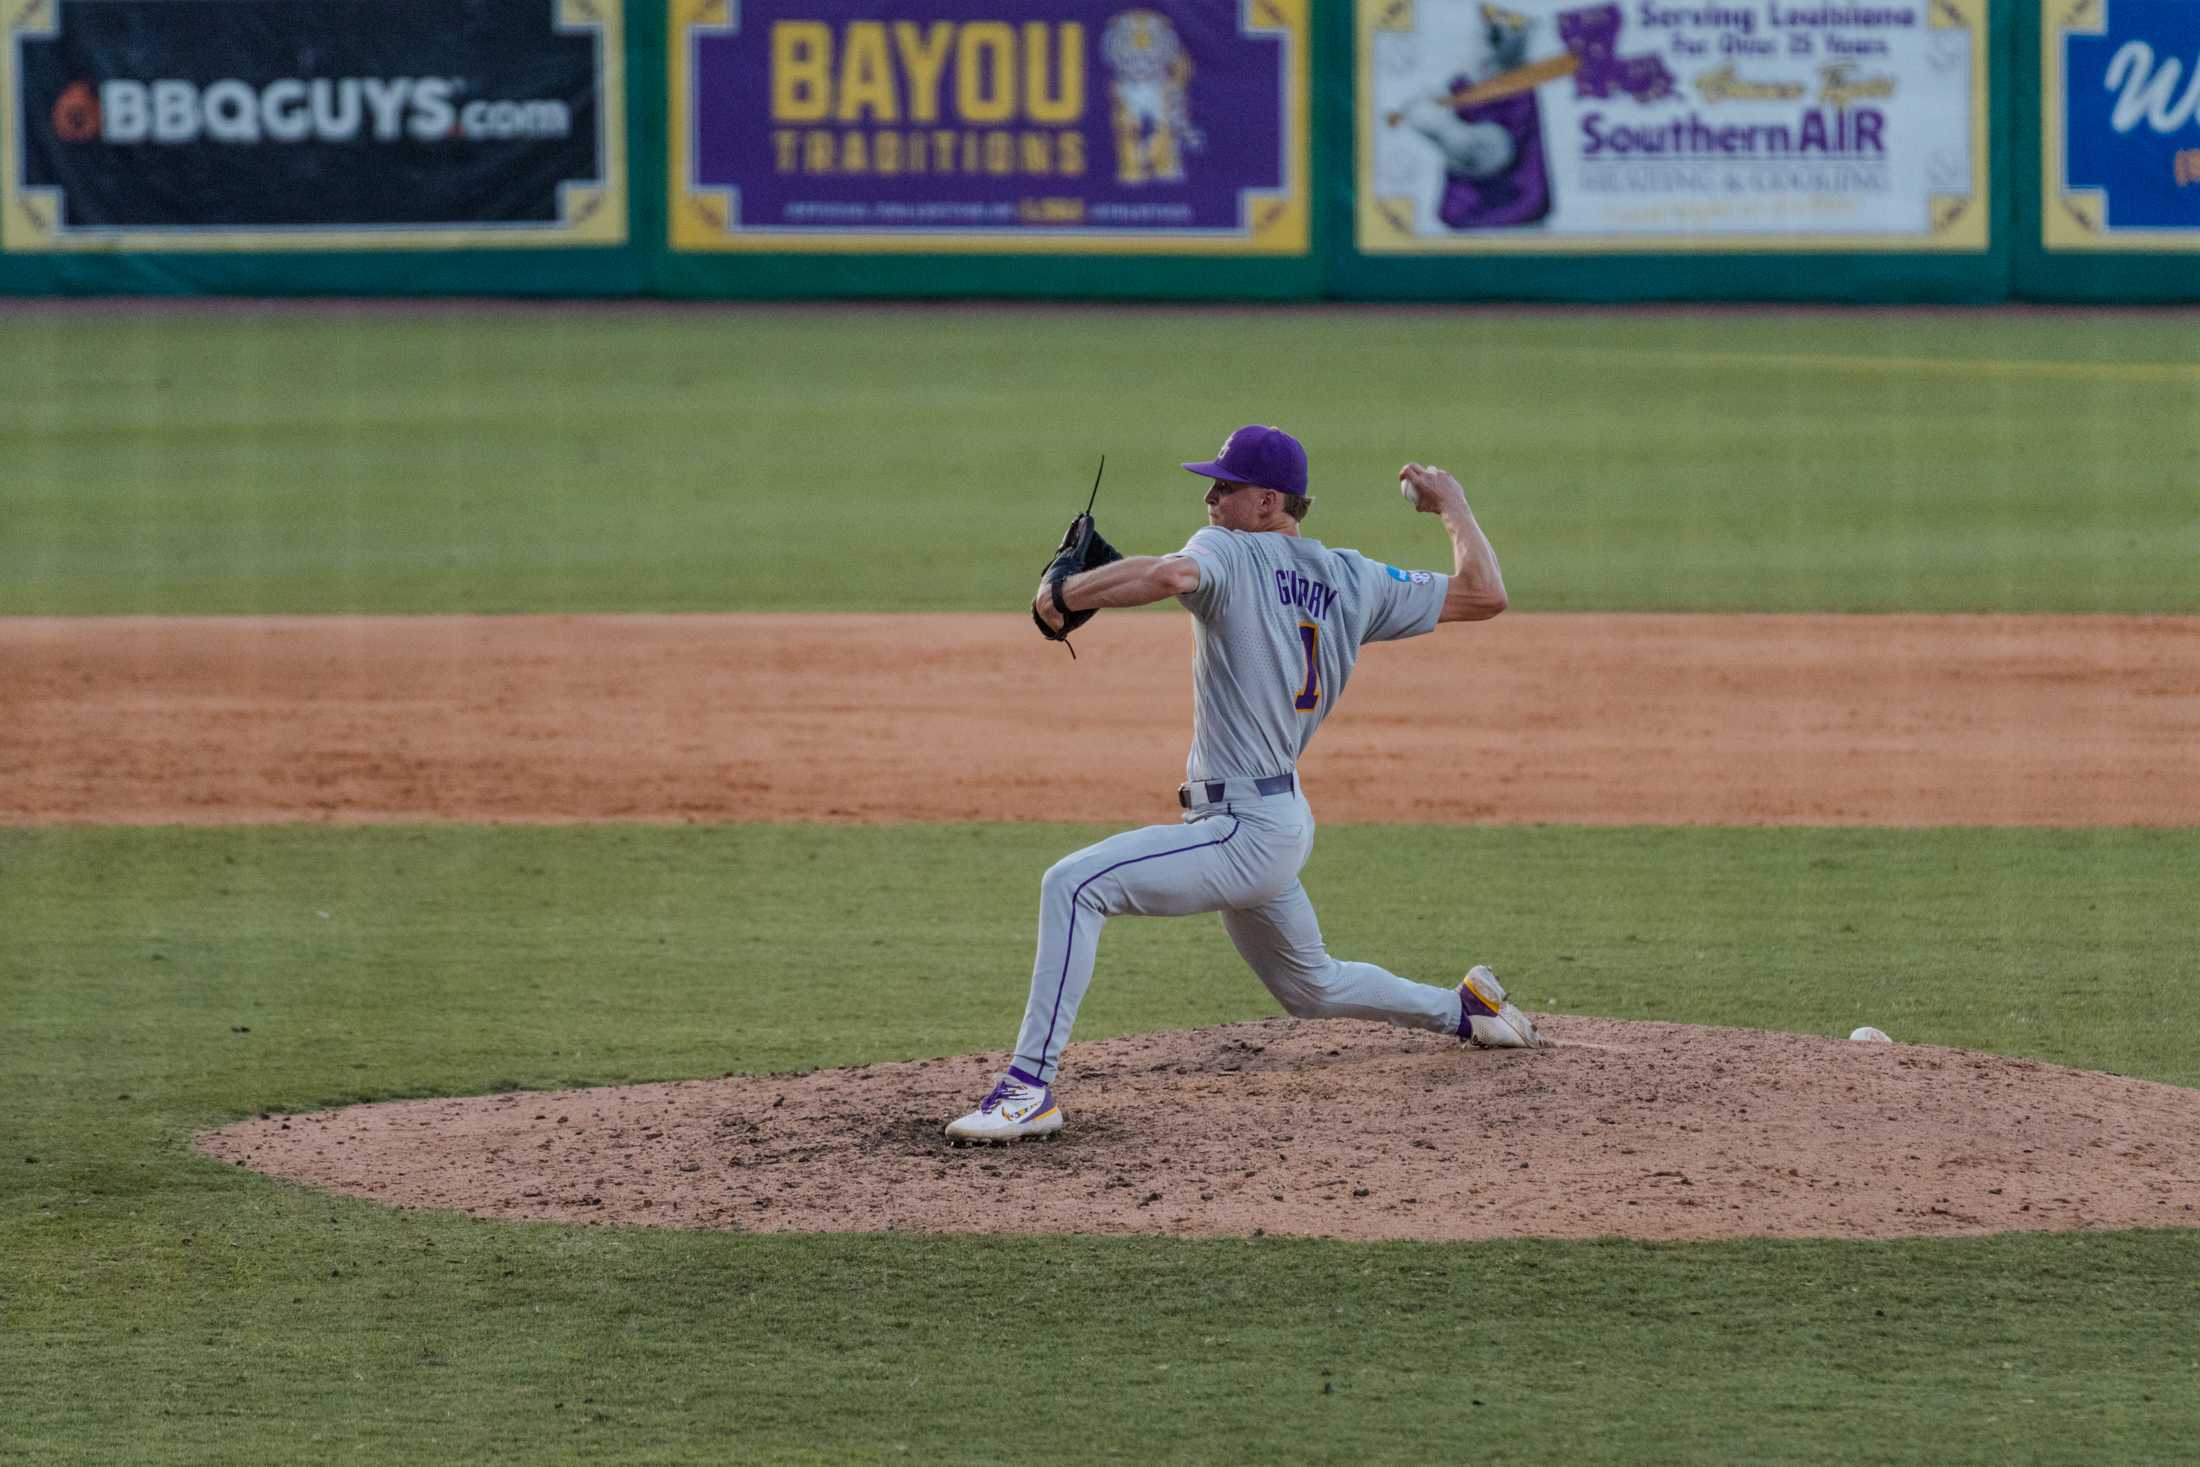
column 1241, row 859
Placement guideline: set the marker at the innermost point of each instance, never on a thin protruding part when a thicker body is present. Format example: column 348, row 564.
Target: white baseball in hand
column 1405, row 492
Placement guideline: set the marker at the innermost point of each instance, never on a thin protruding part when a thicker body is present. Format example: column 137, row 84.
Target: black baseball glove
column 1082, row 549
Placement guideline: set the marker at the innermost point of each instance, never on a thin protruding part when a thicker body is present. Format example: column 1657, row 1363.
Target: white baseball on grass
column 1869, row 1035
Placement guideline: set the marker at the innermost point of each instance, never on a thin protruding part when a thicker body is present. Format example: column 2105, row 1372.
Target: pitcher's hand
column 1429, row 489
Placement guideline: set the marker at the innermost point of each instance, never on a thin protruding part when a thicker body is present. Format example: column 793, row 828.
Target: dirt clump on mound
column 1332, row 1129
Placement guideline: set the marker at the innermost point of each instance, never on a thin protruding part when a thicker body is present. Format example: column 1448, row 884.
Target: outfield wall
column 1846, row 150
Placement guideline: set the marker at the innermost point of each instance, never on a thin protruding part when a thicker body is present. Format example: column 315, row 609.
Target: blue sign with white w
column 2131, row 113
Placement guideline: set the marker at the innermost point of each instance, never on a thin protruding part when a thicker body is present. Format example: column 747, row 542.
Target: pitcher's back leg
column 1281, row 941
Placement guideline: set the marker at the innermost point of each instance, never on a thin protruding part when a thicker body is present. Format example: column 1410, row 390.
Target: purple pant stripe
column 1069, row 938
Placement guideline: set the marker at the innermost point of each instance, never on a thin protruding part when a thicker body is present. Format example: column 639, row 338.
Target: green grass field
column 159, row 1308
column 156, row 1308
column 699, row 458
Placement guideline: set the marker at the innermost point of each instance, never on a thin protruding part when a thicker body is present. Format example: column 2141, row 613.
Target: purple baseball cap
column 1262, row 456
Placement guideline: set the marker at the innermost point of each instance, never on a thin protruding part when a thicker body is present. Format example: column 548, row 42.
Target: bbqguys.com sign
column 296, row 110
column 211, row 124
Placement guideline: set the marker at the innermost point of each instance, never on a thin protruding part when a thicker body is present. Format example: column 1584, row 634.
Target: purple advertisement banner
column 1063, row 126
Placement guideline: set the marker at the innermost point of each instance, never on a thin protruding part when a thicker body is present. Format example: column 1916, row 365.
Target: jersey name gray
column 1278, row 622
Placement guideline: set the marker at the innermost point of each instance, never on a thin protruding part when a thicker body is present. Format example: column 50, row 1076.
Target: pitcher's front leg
column 1156, row 871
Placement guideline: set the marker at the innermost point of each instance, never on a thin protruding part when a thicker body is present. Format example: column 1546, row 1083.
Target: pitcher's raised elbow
column 1474, row 608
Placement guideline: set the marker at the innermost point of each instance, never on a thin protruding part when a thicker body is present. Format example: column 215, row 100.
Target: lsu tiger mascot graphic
column 1150, row 86
column 1494, row 174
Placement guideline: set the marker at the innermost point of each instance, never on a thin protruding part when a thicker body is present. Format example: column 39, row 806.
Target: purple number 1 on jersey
column 1309, row 696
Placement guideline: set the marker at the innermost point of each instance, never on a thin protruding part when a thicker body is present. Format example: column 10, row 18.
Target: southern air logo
column 1150, row 97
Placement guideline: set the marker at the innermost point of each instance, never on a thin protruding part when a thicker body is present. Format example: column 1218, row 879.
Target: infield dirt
column 1722, row 720
column 1644, row 1130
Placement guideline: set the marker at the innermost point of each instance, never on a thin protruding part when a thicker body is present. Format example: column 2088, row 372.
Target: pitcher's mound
column 1331, row 1129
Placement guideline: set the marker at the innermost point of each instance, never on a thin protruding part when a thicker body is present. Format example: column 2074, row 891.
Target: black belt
column 1219, row 790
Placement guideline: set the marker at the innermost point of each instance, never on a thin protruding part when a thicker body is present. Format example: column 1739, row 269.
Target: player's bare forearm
column 1137, row 580
column 1477, row 589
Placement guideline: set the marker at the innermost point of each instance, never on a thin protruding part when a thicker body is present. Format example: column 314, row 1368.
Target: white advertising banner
column 1545, row 126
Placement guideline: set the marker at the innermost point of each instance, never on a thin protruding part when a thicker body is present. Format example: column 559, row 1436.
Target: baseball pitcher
column 1278, row 622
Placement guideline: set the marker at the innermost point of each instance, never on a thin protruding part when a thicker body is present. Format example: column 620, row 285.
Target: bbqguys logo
column 421, row 109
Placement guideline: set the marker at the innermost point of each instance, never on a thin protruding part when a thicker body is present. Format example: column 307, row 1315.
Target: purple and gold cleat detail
column 1018, row 1107
column 1487, row 1018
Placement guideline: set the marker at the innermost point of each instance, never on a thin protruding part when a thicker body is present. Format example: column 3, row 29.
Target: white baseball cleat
column 1487, row 1018
column 1018, row 1107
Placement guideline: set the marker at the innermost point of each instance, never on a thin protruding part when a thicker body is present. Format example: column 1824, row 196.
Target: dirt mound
column 1878, row 720
column 1332, row 1129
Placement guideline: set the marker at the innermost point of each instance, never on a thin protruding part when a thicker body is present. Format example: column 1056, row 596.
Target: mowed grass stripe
column 2168, row 374
column 479, row 1342
column 786, row 459
column 162, row 1309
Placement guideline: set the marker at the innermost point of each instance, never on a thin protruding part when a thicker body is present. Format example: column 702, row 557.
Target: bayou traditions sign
column 1064, row 126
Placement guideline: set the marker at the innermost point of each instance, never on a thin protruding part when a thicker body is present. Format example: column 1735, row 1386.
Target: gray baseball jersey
column 1278, row 622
